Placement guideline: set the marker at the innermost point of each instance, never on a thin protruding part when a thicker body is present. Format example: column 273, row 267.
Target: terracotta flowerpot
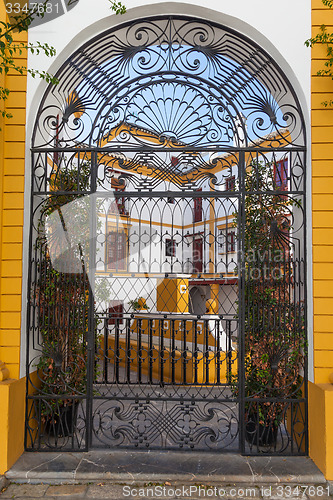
column 260, row 434
column 62, row 423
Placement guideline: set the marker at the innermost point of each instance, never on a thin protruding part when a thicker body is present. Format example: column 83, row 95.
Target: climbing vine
column 326, row 38
column 11, row 50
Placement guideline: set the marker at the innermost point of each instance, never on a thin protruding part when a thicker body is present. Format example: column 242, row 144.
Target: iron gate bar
column 185, row 149
column 241, row 281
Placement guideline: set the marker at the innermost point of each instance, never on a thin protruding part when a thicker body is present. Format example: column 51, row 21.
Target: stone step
column 126, row 467
column 168, row 490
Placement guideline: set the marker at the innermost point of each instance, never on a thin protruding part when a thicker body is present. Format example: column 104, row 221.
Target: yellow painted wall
column 172, row 295
column 322, row 202
column 321, row 434
column 198, row 371
column 12, row 152
column 321, row 392
column 12, row 146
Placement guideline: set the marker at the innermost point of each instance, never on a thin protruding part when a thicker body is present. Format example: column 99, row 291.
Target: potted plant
column 62, row 295
column 274, row 333
column 63, row 322
column 138, row 304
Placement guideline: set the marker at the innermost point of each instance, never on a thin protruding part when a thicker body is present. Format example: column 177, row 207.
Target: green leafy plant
column 11, row 50
column 138, row 304
column 275, row 339
column 117, row 7
column 324, row 37
column 63, row 298
column 63, row 304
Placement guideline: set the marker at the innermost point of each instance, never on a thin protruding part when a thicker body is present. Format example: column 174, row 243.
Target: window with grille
column 230, row 183
column 118, row 205
column 115, row 312
column 231, row 241
column 170, row 248
column 227, row 241
column 197, row 209
column 116, row 251
column 197, row 255
column 281, row 175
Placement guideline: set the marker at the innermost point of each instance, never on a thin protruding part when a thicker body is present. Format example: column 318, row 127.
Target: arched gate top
column 170, row 83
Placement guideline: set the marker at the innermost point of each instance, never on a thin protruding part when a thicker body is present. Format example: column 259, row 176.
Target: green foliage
column 138, row 305
column 62, row 301
column 325, row 38
column 117, row 7
column 10, row 50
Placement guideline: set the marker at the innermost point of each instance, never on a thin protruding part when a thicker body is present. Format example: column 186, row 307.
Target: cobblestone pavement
column 165, row 491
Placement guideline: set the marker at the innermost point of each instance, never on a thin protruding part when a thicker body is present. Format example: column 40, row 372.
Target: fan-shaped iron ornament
column 167, row 281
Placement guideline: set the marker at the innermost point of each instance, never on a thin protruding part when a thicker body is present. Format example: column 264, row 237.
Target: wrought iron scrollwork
column 189, row 83
column 168, row 246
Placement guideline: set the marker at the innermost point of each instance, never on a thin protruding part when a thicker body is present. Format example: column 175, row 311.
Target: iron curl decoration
column 172, row 425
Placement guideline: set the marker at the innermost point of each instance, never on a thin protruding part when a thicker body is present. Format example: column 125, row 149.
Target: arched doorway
column 170, row 157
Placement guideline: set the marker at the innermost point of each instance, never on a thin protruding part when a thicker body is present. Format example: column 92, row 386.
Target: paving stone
column 3, row 482
column 159, row 466
column 107, row 491
column 67, row 490
column 25, row 490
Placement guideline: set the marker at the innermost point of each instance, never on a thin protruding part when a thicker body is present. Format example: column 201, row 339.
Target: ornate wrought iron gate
column 167, row 282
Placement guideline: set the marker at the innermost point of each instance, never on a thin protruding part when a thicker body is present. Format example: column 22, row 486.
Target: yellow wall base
column 12, row 411
column 321, row 427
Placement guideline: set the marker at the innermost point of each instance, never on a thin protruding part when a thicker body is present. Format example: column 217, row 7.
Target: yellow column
column 12, row 139
column 214, row 298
